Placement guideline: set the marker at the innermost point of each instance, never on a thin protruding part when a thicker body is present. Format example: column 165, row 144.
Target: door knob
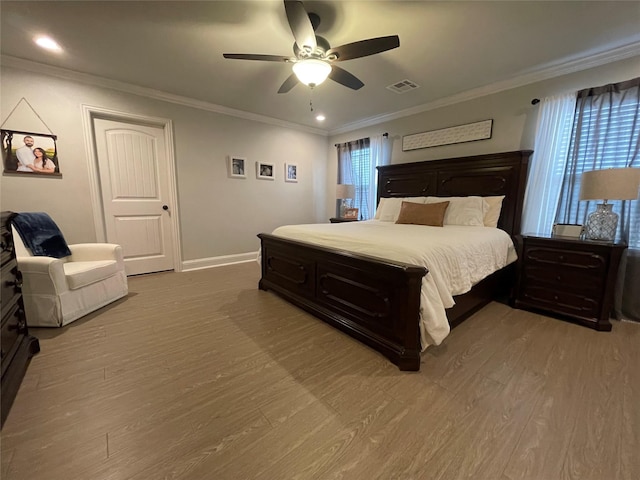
column 165, row 207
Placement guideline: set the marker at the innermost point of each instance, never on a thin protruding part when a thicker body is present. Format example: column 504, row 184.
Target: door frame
column 89, row 113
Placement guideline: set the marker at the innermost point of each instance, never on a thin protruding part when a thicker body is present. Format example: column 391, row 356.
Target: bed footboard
column 374, row 300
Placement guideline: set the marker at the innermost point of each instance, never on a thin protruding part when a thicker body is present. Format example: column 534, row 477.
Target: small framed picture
column 265, row 171
column 351, row 213
column 290, row 172
column 237, row 167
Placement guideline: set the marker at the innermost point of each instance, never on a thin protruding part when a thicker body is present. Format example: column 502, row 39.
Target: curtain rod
column 385, row 134
column 535, row 101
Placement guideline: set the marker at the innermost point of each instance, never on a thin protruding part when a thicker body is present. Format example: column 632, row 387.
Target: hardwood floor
column 200, row 375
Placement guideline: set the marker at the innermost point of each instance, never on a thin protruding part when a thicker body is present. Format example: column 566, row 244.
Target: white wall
column 218, row 215
column 514, row 118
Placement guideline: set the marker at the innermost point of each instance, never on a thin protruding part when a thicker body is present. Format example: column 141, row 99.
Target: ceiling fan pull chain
column 311, row 99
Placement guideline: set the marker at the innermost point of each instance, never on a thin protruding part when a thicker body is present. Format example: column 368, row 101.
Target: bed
column 377, row 300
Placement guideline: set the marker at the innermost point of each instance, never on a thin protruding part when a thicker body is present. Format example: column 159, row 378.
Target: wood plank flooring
column 200, row 375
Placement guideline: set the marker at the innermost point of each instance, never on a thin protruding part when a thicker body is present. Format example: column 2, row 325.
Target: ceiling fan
column 313, row 59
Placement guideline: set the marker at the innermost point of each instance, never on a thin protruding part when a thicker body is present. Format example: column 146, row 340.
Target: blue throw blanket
column 41, row 235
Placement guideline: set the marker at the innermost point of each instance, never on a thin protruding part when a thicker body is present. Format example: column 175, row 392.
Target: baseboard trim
column 201, row 263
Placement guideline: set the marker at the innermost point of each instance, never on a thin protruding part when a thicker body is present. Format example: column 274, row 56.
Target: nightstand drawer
column 570, row 303
column 588, row 263
column 569, row 277
column 564, row 279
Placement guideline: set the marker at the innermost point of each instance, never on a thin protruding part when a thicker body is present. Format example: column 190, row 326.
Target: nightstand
column 342, row 220
column 569, row 277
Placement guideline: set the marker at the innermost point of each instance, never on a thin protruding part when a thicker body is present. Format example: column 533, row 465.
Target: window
column 354, row 168
column 605, row 135
column 357, row 162
column 361, row 163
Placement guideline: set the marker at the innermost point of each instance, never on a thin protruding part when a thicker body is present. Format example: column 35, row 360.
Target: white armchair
column 57, row 291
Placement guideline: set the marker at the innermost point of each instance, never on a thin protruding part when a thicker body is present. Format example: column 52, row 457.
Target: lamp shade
column 610, row 184
column 311, row 71
column 345, row 191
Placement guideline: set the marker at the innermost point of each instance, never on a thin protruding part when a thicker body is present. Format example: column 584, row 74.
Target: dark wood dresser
column 569, row 277
column 17, row 345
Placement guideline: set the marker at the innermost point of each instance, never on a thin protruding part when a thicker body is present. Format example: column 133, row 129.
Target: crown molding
column 20, row 63
column 556, row 69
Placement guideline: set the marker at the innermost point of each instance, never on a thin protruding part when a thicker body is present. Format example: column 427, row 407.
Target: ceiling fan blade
column 300, row 24
column 345, row 78
column 364, row 48
column 264, row 58
column 289, row 83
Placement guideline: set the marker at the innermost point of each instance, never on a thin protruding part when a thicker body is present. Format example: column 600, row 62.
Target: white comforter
column 457, row 257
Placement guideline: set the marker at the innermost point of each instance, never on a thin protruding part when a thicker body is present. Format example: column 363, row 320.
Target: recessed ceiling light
column 320, row 118
column 47, row 43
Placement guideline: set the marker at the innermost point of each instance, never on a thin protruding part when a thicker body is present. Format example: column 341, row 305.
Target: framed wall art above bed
column 469, row 132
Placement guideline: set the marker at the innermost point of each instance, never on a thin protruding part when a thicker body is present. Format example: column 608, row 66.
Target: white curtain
column 380, row 155
column 553, row 134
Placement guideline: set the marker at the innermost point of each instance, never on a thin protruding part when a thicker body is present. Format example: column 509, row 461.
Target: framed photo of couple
column 25, row 153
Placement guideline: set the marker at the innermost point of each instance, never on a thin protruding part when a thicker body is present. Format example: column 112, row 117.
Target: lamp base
column 344, row 203
column 602, row 224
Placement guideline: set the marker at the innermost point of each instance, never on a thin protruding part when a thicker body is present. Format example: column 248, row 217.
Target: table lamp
column 607, row 184
column 344, row 192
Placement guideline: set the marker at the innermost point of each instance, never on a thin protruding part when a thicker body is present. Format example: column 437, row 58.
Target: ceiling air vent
column 403, row 86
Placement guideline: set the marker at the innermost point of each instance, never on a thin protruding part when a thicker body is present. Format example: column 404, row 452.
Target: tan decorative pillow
column 430, row 214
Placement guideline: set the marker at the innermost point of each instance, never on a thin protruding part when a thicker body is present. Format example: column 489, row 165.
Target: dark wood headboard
column 481, row 175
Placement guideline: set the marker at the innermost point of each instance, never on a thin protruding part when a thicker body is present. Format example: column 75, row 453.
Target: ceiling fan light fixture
column 311, row 71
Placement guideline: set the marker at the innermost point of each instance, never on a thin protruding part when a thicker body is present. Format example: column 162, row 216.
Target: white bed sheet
column 457, row 258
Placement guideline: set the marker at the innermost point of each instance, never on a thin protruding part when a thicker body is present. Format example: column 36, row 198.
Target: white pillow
column 463, row 210
column 492, row 215
column 389, row 208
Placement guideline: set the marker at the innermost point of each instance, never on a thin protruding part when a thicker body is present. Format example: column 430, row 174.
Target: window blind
column 604, row 136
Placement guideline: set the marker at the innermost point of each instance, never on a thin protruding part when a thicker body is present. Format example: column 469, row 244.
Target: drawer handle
column 555, row 297
column 561, row 257
column 20, row 326
column 559, row 278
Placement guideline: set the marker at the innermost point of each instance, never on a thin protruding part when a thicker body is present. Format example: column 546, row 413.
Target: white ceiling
column 448, row 48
